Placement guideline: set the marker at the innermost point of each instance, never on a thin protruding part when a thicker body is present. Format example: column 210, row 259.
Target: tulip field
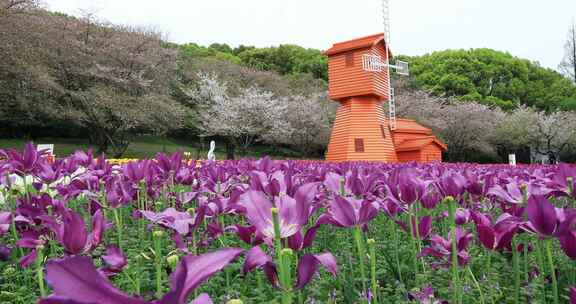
column 170, row 230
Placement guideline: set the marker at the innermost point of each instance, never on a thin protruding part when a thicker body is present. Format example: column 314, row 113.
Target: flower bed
column 84, row 230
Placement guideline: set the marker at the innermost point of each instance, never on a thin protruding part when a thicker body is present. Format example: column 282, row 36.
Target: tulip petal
column 75, row 235
column 195, row 270
column 258, row 210
column 98, row 228
column 59, row 300
column 329, row 261
column 307, row 267
column 542, row 215
column 486, row 236
column 255, row 258
column 76, row 279
column 28, row 259
column 342, row 211
column 271, row 273
column 5, row 222
column 332, row 182
column 203, row 298
column 568, row 244
column 114, row 259
column 368, row 212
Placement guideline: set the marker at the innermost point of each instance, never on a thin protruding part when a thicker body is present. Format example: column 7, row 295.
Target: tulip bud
column 276, row 223
column 235, row 301
column 10, row 270
column 159, row 205
column 371, row 241
column 191, row 211
column 158, row 234
column 342, row 186
column 287, row 252
column 173, row 261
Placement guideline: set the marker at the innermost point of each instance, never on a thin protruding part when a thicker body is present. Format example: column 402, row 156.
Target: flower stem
column 158, row 255
column 516, row 265
column 526, row 263
column 372, row 248
column 552, row 270
column 40, row 270
column 542, row 266
column 118, row 227
column 15, row 235
column 482, row 301
column 455, row 277
column 396, row 252
column 361, row 255
column 283, row 272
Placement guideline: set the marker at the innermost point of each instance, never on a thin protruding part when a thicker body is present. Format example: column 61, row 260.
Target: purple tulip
column 195, row 270
column 293, row 212
column 566, row 233
column 248, row 235
column 5, row 222
column 543, row 217
column 307, row 266
column 5, row 253
column 498, row 237
column 114, row 259
column 442, row 248
column 350, row 212
column 25, row 162
column 172, row 219
column 573, row 295
column 76, row 280
column 426, row 296
column 119, row 193
column 406, row 187
column 424, row 226
column 73, row 233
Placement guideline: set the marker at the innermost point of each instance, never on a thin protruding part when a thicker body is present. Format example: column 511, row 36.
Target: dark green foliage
column 285, row 59
column 493, row 78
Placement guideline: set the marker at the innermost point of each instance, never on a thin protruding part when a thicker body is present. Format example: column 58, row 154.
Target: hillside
column 69, row 77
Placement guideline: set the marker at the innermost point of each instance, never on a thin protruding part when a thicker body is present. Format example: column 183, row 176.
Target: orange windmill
column 359, row 79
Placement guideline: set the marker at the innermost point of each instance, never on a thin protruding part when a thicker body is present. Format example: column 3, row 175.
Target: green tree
column 490, row 77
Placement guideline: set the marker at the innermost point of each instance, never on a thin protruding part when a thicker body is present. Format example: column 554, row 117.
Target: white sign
column 512, row 159
column 46, row 147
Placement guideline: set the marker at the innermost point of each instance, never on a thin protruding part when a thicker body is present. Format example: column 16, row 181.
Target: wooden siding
column 431, row 152
column 349, row 81
column 409, row 156
column 360, row 117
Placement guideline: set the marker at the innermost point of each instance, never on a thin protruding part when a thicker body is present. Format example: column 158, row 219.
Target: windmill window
column 349, row 59
column 359, row 145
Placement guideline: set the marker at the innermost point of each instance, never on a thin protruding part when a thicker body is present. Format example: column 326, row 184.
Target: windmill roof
column 410, row 126
column 358, row 43
column 419, row 143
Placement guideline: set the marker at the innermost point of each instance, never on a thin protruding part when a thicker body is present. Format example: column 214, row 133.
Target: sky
column 535, row 30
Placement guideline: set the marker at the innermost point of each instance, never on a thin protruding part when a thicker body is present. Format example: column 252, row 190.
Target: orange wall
column 431, row 152
column 360, row 117
column 347, row 81
column 408, row 156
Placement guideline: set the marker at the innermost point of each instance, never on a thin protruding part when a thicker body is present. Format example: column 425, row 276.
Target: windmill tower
column 359, row 79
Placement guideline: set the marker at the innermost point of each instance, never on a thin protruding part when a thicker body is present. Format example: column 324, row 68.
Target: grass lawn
column 149, row 146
